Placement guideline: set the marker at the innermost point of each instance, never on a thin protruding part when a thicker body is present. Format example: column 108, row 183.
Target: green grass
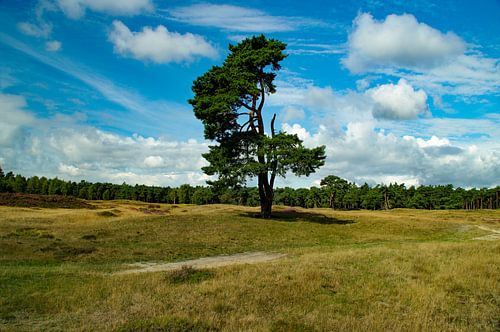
column 352, row 270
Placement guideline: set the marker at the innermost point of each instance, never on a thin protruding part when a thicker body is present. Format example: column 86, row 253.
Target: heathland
column 402, row 269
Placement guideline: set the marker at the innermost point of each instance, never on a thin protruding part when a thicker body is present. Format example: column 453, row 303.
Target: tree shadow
column 291, row 215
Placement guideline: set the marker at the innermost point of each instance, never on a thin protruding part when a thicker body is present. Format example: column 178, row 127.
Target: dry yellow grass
column 355, row 270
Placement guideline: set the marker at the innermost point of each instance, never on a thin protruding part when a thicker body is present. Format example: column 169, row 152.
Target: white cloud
column 467, row 75
column 399, row 41
column 69, row 169
column 398, row 102
column 362, row 147
column 235, row 18
column 14, row 118
column 305, row 48
column 440, row 62
column 153, row 161
column 42, row 29
column 60, row 147
column 76, row 8
column 291, row 113
column 159, row 45
column 296, row 129
column 363, row 154
column 53, row 46
column 39, row 27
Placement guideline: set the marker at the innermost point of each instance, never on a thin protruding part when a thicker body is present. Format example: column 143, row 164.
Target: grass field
column 354, row 270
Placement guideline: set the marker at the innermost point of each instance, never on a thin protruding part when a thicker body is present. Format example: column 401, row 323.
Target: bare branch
column 248, row 107
column 272, row 125
column 243, row 125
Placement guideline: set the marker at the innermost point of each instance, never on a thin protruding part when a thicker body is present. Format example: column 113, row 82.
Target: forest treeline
column 334, row 192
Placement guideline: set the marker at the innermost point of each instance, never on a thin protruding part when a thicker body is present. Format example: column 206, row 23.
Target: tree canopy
column 229, row 100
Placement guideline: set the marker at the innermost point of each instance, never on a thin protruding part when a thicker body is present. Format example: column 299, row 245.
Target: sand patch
column 204, row 263
column 490, row 237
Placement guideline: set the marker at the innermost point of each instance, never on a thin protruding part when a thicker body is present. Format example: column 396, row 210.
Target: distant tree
column 301, row 197
column 313, row 199
column 106, row 195
column 3, row 186
column 285, row 196
column 184, row 193
column 172, row 197
column 352, row 197
column 202, row 195
column 19, row 185
column 334, row 186
column 373, row 199
column 245, row 147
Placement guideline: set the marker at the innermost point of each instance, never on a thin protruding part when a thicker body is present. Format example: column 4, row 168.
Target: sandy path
column 489, row 237
column 204, row 263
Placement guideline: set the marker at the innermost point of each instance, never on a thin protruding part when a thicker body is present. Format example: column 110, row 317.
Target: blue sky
column 398, row 91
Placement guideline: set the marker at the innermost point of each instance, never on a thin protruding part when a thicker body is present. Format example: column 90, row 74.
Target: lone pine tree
column 229, row 100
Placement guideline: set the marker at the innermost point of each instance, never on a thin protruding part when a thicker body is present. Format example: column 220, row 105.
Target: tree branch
column 262, row 96
column 243, row 125
column 248, row 107
column 272, row 124
column 274, row 163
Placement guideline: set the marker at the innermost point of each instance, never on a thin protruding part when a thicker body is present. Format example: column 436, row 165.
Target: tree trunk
column 386, row 201
column 266, row 208
column 266, row 196
column 332, row 200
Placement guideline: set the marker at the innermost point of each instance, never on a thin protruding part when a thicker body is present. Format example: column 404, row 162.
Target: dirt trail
column 204, row 263
column 489, row 237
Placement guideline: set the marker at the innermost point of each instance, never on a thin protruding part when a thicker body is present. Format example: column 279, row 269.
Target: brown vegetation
column 43, row 201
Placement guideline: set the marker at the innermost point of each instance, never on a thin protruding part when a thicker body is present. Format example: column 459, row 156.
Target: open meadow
column 63, row 269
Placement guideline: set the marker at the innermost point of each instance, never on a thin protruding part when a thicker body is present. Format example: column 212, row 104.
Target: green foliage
column 336, row 188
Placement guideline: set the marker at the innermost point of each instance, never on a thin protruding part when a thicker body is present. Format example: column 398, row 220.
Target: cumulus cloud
column 53, row 46
column 109, row 157
column 60, row 147
column 158, row 44
column 364, row 146
column 399, row 40
column 76, row 8
column 235, row 18
column 401, row 46
column 398, row 101
column 14, row 117
column 364, row 154
column 69, row 169
column 153, row 161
